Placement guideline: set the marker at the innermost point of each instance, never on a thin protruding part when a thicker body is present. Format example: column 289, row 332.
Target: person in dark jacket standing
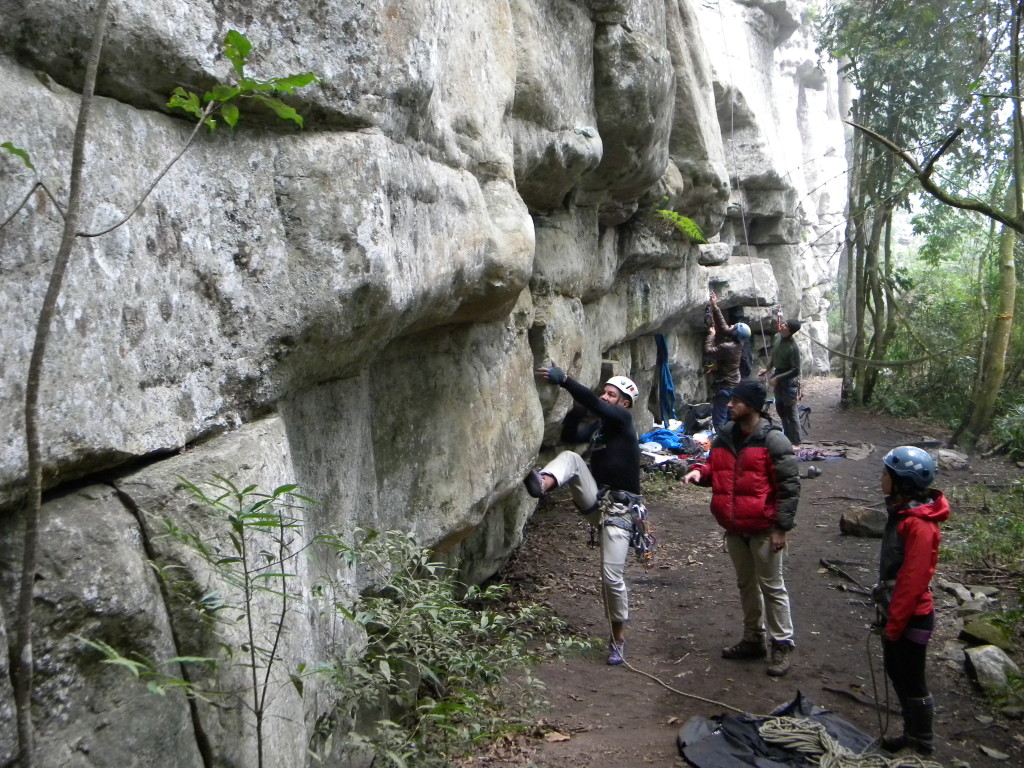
column 607, row 491
column 755, row 489
column 724, row 348
column 910, row 550
column 784, row 377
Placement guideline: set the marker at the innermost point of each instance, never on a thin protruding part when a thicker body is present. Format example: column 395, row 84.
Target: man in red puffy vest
column 755, row 488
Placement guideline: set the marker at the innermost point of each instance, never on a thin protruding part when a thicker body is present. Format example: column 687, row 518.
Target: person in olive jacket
column 755, row 489
column 784, row 379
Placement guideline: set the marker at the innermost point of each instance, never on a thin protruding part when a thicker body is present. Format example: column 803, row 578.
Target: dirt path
column 686, row 608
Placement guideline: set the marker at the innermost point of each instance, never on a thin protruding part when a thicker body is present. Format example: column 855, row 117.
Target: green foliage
column 20, row 153
column 1013, row 696
column 680, row 223
column 938, row 310
column 160, row 677
column 250, row 541
column 1009, row 430
column 986, row 529
column 445, row 666
column 225, row 99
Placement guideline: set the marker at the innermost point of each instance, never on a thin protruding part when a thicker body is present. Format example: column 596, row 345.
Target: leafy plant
column 1009, row 430
column 1013, row 696
column 19, row 153
column 987, row 530
column 252, row 549
column 444, row 666
column 250, row 541
column 225, row 98
column 682, row 224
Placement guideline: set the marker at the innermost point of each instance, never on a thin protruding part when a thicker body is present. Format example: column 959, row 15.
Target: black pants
column 785, row 404
column 905, row 659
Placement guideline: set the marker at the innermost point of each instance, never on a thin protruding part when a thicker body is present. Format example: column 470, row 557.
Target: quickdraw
column 627, row 511
column 643, row 540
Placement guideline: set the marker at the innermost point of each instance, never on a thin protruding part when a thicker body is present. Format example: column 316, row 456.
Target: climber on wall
column 607, row 491
column 724, row 348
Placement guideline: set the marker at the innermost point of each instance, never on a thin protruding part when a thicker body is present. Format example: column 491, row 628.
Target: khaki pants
column 762, row 589
column 569, row 468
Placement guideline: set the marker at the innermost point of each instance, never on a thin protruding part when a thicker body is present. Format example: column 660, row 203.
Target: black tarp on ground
column 732, row 741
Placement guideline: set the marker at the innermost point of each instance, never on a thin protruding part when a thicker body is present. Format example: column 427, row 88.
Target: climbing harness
column 624, row 510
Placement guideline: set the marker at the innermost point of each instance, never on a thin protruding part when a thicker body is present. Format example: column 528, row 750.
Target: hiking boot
column 780, row 661
column 917, row 728
column 922, row 746
column 534, row 483
column 615, row 653
column 745, row 649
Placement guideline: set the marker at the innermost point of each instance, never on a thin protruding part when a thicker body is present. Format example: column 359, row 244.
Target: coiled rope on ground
column 810, row 738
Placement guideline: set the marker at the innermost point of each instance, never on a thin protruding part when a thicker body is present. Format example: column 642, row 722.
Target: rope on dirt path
column 663, row 684
column 810, row 738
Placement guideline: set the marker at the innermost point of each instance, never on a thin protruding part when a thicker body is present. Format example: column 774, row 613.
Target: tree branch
column 206, row 113
column 924, row 178
column 37, row 185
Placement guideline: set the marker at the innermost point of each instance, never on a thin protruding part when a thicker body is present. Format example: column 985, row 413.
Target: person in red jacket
column 755, row 489
column 910, row 550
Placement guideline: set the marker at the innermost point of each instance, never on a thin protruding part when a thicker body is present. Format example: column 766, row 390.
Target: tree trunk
column 994, row 364
column 22, row 650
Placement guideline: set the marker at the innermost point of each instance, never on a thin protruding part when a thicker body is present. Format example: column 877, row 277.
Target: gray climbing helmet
column 912, row 463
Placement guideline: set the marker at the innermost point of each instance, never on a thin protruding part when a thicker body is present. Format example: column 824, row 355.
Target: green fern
column 687, row 226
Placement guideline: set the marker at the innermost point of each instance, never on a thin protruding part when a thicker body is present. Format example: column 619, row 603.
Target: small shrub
column 446, row 666
column 1013, row 695
column 986, row 529
column 1009, row 430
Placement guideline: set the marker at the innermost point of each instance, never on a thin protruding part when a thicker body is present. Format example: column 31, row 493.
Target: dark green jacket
column 786, row 359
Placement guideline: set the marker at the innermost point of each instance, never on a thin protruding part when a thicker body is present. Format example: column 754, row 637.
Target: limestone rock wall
column 358, row 307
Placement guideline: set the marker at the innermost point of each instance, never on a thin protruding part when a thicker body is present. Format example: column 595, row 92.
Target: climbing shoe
column 615, row 651
column 781, row 659
column 745, row 649
column 534, row 483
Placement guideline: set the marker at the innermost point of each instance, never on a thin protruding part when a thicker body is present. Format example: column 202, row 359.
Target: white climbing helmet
column 626, row 387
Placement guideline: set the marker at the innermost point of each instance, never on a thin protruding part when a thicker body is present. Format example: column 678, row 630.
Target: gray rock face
column 359, row 307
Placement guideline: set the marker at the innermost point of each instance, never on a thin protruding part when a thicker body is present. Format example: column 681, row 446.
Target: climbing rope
column 882, row 728
column 665, row 685
column 809, row 737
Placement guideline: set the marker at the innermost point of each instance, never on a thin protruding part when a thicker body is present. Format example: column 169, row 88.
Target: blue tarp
column 675, row 442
